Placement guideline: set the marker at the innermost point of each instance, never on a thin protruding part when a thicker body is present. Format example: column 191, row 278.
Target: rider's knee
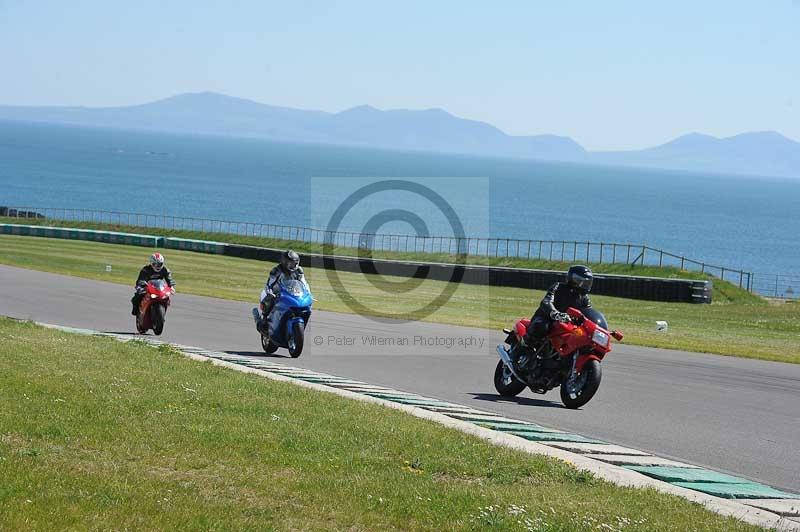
column 538, row 328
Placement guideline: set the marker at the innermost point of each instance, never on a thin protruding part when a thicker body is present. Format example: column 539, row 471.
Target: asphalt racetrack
column 733, row 415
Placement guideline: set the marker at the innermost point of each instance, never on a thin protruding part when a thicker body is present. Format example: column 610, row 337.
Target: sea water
column 750, row 223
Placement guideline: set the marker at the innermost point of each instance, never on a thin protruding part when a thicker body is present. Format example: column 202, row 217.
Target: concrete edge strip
column 777, row 514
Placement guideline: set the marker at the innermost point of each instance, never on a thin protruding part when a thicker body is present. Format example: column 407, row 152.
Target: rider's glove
column 559, row 316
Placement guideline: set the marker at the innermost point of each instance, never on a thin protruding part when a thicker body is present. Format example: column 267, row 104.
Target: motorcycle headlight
column 296, row 290
column 153, row 296
column 600, row 338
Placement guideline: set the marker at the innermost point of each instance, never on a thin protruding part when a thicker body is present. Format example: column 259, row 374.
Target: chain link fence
column 770, row 285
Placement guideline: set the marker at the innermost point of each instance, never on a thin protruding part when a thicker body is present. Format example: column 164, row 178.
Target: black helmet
column 290, row 260
column 580, row 278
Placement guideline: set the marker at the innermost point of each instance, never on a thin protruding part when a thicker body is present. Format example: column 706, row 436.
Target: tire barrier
column 17, row 213
column 67, row 233
column 625, row 286
column 201, row 246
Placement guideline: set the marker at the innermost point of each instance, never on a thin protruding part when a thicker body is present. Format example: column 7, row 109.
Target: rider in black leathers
column 574, row 292
column 155, row 269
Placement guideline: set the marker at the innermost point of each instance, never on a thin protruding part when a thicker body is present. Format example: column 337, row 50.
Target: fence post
column 661, row 259
column 575, row 251
column 683, row 259
column 613, row 254
column 722, row 275
column 741, row 277
column 601, row 253
column 587, row 252
column 529, row 249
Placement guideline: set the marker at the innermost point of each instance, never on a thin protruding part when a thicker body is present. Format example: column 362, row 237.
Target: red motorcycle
column 153, row 306
column 569, row 357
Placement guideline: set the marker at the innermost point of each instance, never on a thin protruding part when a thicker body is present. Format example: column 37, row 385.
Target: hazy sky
column 612, row 74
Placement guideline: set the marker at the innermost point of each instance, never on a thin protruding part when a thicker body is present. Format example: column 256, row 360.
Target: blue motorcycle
column 286, row 323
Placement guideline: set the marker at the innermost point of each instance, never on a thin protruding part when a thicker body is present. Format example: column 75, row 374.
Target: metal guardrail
column 770, row 285
column 778, row 286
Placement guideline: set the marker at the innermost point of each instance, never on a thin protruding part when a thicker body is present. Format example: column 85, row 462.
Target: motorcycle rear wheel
column 589, row 382
column 505, row 382
column 139, row 328
column 267, row 345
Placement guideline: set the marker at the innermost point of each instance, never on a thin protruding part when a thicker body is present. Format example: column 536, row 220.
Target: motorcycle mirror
column 618, row 336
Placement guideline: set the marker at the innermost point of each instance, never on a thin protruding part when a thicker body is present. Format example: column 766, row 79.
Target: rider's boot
column 524, row 358
column 267, row 305
column 530, row 351
column 518, row 355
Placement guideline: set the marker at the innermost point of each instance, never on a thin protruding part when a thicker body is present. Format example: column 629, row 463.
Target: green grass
column 723, row 290
column 96, row 434
column 744, row 329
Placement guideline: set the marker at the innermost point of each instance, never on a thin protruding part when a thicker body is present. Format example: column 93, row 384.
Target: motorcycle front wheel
column 505, row 382
column 298, row 337
column 575, row 394
column 158, row 315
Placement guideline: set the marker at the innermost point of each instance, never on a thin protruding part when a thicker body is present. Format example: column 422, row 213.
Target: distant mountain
column 765, row 153
column 203, row 113
column 211, row 113
column 436, row 130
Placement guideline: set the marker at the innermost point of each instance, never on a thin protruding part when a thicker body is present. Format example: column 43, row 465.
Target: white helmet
column 157, row 261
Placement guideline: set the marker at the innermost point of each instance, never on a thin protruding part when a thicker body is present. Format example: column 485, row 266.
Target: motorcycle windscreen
column 596, row 316
column 159, row 284
column 294, row 288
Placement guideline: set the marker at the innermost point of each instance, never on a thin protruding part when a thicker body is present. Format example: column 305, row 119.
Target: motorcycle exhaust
column 506, row 358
